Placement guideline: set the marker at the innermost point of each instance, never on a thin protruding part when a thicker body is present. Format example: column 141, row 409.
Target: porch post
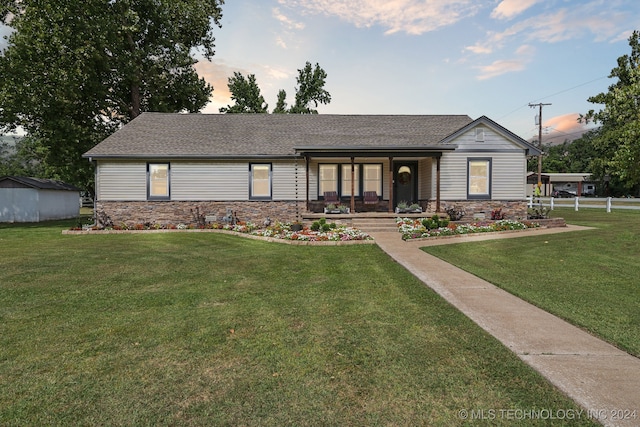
column 391, row 184
column 353, row 187
column 438, row 184
column 306, row 158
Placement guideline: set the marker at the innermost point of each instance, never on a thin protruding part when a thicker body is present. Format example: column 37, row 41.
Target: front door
column 405, row 182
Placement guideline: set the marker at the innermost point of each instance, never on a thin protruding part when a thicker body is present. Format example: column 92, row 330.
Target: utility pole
column 540, row 105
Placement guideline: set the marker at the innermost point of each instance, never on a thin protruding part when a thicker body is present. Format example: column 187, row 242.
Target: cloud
column 413, row 17
column 562, row 128
column 559, row 26
column 524, row 55
column 507, row 9
column 289, row 23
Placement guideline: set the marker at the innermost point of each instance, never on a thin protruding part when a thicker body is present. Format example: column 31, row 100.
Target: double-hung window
column 260, row 181
column 158, row 181
column 337, row 177
column 328, row 178
column 479, row 178
column 372, row 178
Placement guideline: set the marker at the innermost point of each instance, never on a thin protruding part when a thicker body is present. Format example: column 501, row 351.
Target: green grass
column 211, row 329
column 589, row 278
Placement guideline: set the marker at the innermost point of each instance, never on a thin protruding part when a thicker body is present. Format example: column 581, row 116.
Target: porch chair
column 331, row 198
column 370, row 198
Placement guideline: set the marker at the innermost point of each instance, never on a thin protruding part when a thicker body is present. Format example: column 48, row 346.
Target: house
column 160, row 167
column 24, row 199
column 577, row 184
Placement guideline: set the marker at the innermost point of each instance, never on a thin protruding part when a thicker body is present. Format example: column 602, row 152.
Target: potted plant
column 404, row 207
column 333, row 209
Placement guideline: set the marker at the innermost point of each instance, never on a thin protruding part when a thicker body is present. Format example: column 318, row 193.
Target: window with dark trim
column 327, row 178
column 158, row 181
column 372, row 178
column 337, row 177
column 260, row 181
column 479, row 178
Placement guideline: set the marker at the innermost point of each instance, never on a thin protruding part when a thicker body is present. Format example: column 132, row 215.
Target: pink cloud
column 507, row 9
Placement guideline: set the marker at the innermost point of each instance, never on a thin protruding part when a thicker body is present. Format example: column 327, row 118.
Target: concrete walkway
column 602, row 379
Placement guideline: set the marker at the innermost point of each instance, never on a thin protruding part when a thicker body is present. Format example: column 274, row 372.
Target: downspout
column 95, row 193
column 391, row 184
column 307, row 161
column 353, row 175
column 438, row 184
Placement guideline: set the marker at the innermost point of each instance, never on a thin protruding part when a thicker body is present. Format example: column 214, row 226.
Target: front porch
column 410, row 176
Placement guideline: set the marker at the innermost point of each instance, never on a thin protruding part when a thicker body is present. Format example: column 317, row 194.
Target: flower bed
column 412, row 228
column 339, row 233
column 281, row 231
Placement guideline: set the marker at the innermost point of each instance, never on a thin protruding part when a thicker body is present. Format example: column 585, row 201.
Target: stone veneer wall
column 177, row 212
column 481, row 209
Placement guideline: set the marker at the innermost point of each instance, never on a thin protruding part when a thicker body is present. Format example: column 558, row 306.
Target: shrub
column 455, row 213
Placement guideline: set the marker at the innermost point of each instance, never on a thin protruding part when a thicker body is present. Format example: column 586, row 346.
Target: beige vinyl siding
column 209, row 180
column 426, row 184
column 121, row 180
column 453, row 176
column 284, row 179
column 508, row 172
column 493, row 141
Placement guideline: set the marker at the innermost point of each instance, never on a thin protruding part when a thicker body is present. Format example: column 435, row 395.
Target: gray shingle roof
column 39, row 183
column 246, row 135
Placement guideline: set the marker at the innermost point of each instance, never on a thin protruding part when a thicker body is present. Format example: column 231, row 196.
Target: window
column 260, row 181
column 346, row 180
column 328, row 178
column 479, row 173
column 337, row 177
column 158, row 181
column 479, row 134
column 372, row 178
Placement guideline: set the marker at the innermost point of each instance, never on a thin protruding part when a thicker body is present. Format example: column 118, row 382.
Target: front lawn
column 210, row 329
column 589, row 278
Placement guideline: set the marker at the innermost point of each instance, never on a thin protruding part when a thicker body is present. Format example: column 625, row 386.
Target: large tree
column 281, row 103
column 246, row 94
column 75, row 71
column 310, row 89
column 618, row 139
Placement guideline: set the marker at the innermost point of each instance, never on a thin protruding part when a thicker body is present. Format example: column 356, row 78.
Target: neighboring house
column 24, row 199
column 577, row 184
column 160, row 167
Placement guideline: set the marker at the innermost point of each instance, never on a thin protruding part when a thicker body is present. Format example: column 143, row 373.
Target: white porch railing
column 607, row 203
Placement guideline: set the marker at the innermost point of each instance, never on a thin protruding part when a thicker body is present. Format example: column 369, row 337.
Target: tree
column 310, row 89
column 75, row 71
column 246, row 94
column 281, row 104
column 569, row 157
column 618, row 139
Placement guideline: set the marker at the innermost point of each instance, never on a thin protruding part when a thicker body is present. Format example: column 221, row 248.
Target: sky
column 473, row 57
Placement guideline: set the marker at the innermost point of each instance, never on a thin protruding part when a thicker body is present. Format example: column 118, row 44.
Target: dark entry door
column 405, row 182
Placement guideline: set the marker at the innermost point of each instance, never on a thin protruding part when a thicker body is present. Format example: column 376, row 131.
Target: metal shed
column 25, row 199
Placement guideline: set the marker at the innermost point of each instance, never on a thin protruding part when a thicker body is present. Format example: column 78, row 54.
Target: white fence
column 607, row 203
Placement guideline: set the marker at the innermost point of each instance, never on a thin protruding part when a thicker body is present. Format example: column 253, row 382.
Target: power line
column 571, row 88
column 557, row 93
